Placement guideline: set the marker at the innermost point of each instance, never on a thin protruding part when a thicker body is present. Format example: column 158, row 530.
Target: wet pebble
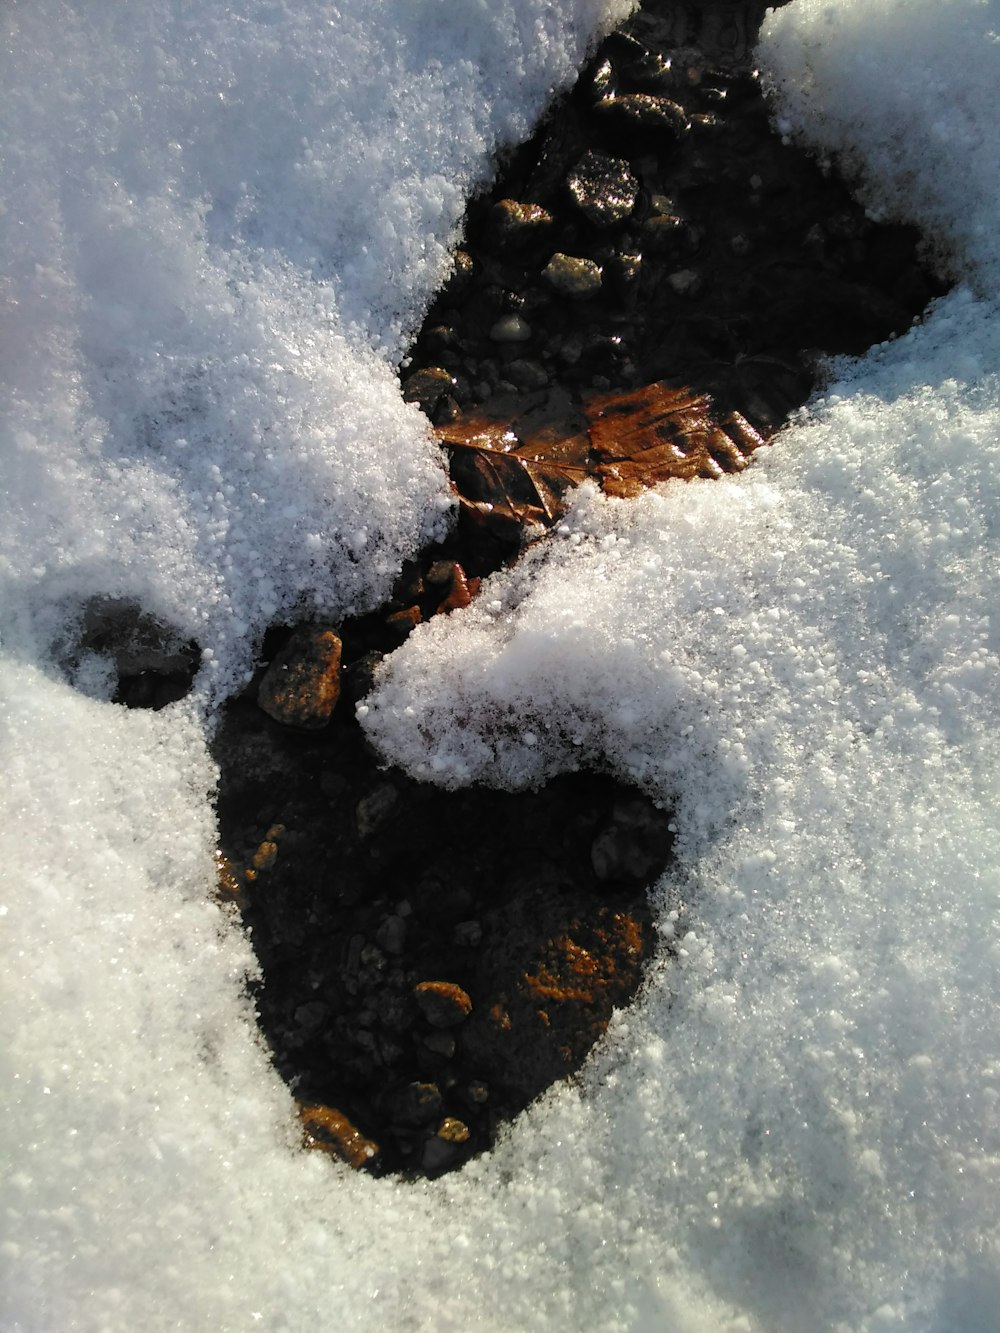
column 442, row 1003
column 301, row 687
column 510, row 328
column 427, row 386
column 643, row 111
column 513, row 223
column 603, row 188
column 569, row 276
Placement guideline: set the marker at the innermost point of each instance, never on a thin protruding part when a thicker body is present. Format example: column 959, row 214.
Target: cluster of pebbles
column 430, row 961
column 656, row 228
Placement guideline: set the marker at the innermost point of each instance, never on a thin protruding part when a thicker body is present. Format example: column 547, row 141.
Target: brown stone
column 330, row 1130
column 302, row 685
column 442, row 1003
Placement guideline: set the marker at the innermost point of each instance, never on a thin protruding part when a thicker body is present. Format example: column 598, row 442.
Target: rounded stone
column 604, row 188
column 578, row 279
column 510, row 329
column 442, row 1003
column 426, row 386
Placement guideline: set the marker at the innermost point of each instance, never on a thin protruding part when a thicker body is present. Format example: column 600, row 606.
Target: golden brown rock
column 302, row 685
column 330, row 1130
column 442, row 1003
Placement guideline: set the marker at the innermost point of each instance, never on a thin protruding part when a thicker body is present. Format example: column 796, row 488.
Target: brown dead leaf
column 513, row 461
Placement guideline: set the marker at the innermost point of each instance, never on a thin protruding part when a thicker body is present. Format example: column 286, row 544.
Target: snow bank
column 797, row 1125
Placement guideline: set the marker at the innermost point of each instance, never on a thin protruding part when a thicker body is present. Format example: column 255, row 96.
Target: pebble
column 514, row 223
column 372, row 809
column 391, row 935
column 417, row 1104
column 569, row 276
column 528, row 375
column 643, row 111
column 442, row 1003
column 510, row 329
column 441, row 1043
column 603, row 188
column 685, row 282
column 330, row 1130
column 468, row 934
column 302, row 685
column 427, row 386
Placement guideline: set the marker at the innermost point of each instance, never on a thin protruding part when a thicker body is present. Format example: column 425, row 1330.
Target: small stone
column 462, row 275
column 685, row 282
column 395, row 1011
column 427, row 386
column 528, row 375
column 663, row 231
column 514, row 223
column 302, row 685
column 478, row 1092
column 442, row 1003
column 446, row 411
column 468, row 934
column 402, row 622
column 571, row 349
column 227, row 880
column 265, row 856
column 372, row 809
column 441, row 1043
column 453, row 1131
column 510, row 329
column 439, row 1155
column 391, row 935
column 623, row 272
column 643, row 111
column 569, row 276
column 417, row 1104
column 440, row 573
column 603, row 188
column 330, row 1130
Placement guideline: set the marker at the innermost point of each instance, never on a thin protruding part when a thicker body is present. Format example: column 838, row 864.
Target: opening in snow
column 647, row 292
column 122, row 653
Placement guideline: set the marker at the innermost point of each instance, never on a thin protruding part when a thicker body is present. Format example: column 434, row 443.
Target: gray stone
column 685, row 282
column 528, row 375
column 510, row 329
column 391, row 935
column 468, row 934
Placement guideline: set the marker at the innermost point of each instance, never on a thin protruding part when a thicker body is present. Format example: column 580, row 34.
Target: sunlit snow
column 219, row 226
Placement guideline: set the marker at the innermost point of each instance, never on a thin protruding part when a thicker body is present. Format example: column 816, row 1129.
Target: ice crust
column 797, row 1126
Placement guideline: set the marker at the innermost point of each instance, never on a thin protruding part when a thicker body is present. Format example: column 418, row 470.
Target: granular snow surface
column 220, row 226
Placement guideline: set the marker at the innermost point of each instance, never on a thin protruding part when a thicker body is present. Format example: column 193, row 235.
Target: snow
column 218, row 228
